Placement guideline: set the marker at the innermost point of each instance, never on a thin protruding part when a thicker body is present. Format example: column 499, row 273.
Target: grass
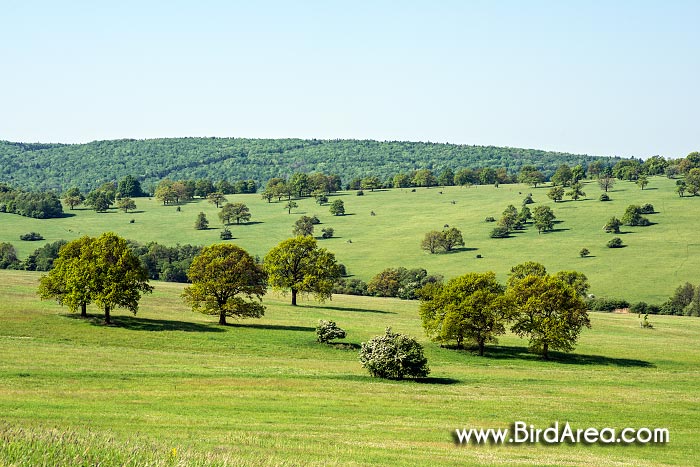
column 263, row 392
column 656, row 260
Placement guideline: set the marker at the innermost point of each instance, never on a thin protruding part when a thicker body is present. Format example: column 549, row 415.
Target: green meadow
column 655, row 261
column 170, row 387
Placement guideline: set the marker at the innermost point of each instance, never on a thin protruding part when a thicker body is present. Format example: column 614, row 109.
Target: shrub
column 615, row 242
column 490, row 219
column 647, row 209
column 584, row 252
column 327, row 331
column 327, row 232
column 31, row 237
column 639, row 308
column 315, row 220
column 604, row 197
column 226, row 234
column 499, row 232
column 360, row 193
column 528, row 199
column 607, row 304
column 394, row 356
column 350, row 287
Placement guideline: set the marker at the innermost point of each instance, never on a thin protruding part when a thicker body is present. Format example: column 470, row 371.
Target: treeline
column 39, row 205
column 685, row 301
column 391, row 282
column 61, row 166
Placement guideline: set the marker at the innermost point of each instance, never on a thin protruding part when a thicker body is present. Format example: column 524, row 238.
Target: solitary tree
column 290, row 205
column 548, row 311
column 234, row 211
column 680, row 187
column 451, row 238
column 563, row 175
column 73, row 197
column 338, row 207
column 613, row 225
column 576, row 191
column 543, row 217
column 556, row 193
column 642, row 181
column 201, row 223
column 303, row 226
column 226, row 281
column 216, row 198
column 469, row 307
column 126, row 204
column 606, row 182
column 298, row 264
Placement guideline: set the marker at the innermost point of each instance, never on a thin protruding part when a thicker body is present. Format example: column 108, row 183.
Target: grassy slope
column 657, row 260
column 264, row 393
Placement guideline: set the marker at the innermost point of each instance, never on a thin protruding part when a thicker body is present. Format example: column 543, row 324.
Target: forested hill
column 60, row 166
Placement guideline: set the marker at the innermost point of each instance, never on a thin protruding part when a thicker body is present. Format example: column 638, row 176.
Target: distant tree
column 548, row 311
column 556, row 193
column 129, row 187
column 528, row 199
column 424, row 177
column 642, row 181
column 234, row 211
column 225, row 187
column 615, row 242
column 604, row 197
column 201, row 223
column 370, row 183
column 42, row 258
column 510, row 220
column 470, row 307
column 394, row 356
column 166, row 193
column 267, row 195
column 327, row 232
column 500, row 232
column 613, row 225
column 98, row 200
column 692, row 181
column 126, row 204
column 298, row 264
column 402, row 181
column 578, row 173
column 226, row 234
column 204, row 187
column 72, row 197
column 633, row 216
column 543, row 217
column 584, row 252
column 562, row 176
column 300, row 184
column 303, row 226
column 432, row 242
column 290, row 205
column 524, row 215
column 680, row 187
column 576, row 191
column 338, row 208
column 452, row 237
column 226, row 281
column 217, row 198
column 487, row 176
column 529, row 175
column 523, row 270
column 575, row 279
column 446, row 177
column 606, row 182
column 8, row 256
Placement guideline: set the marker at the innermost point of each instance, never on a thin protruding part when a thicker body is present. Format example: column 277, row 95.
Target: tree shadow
column 436, row 380
column 272, row 327
column 460, row 249
column 66, row 215
column 250, row 223
column 559, row 230
column 134, row 323
column 344, row 345
column 356, row 310
column 135, row 212
column 500, row 352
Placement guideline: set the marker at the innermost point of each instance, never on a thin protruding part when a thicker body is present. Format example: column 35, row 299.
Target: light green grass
column 263, row 392
column 657, row 259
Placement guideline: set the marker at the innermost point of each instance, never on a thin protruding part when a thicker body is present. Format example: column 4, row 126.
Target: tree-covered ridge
column 61, row 166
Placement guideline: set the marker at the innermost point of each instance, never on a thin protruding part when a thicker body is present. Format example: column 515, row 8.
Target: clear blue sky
column 596, row 77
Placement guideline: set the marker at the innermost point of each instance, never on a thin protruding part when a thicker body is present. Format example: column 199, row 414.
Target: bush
column 528, row 199
column 226, row 234
column 315, row 220
column 327, row 331
column 394, row 356
column 350, row 287
column 31, row 237
column 499, row 232
column 327, row 232
column 615, row 242
column 490, row 219
column 647, row 209
column 604, row 197
column 607, row 304
column 360, row 193
column 584, row 252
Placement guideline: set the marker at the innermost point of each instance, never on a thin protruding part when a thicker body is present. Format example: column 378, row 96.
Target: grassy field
column 170, row 387
column 657, row 259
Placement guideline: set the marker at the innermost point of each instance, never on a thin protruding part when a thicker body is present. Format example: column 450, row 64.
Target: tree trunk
column 107, row 317
column 294, row 297
column 481, row 348
column 545, row 353
column 222, row 319
column 83, row 310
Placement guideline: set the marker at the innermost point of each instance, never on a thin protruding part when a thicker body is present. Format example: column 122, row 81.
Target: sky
column 591, row 77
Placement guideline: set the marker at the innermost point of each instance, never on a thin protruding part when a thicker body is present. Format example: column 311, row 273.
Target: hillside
column 657, row 259
column 60, row 166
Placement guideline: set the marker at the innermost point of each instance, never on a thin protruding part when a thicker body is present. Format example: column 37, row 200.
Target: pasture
column 170, row 387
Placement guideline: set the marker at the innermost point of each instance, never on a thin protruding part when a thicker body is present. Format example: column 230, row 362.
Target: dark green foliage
column 326, row 331
column 166, row 263
column 684, row 301
column 633, row 216
column 303, row 226
column 400, row 282
column 338, row 207
column 327, row 232
column 30, row 204
column 31, row 237
column 584, row 252
column 42, row 259
column 647, row 209
column 435, row 241
column 350, row 287
column 499, row 232
column 359, row 193
column 60, row 166
column 523, row 270
column 201, row 223
column 528, row 199
column 394, row 356
column 543, row 217
column 615, row 242
column 490, row 219
column 604, row 197
column 607, row 304
column 613, row 225
column 129, row 187
column 226, row 234
column 8, row 256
